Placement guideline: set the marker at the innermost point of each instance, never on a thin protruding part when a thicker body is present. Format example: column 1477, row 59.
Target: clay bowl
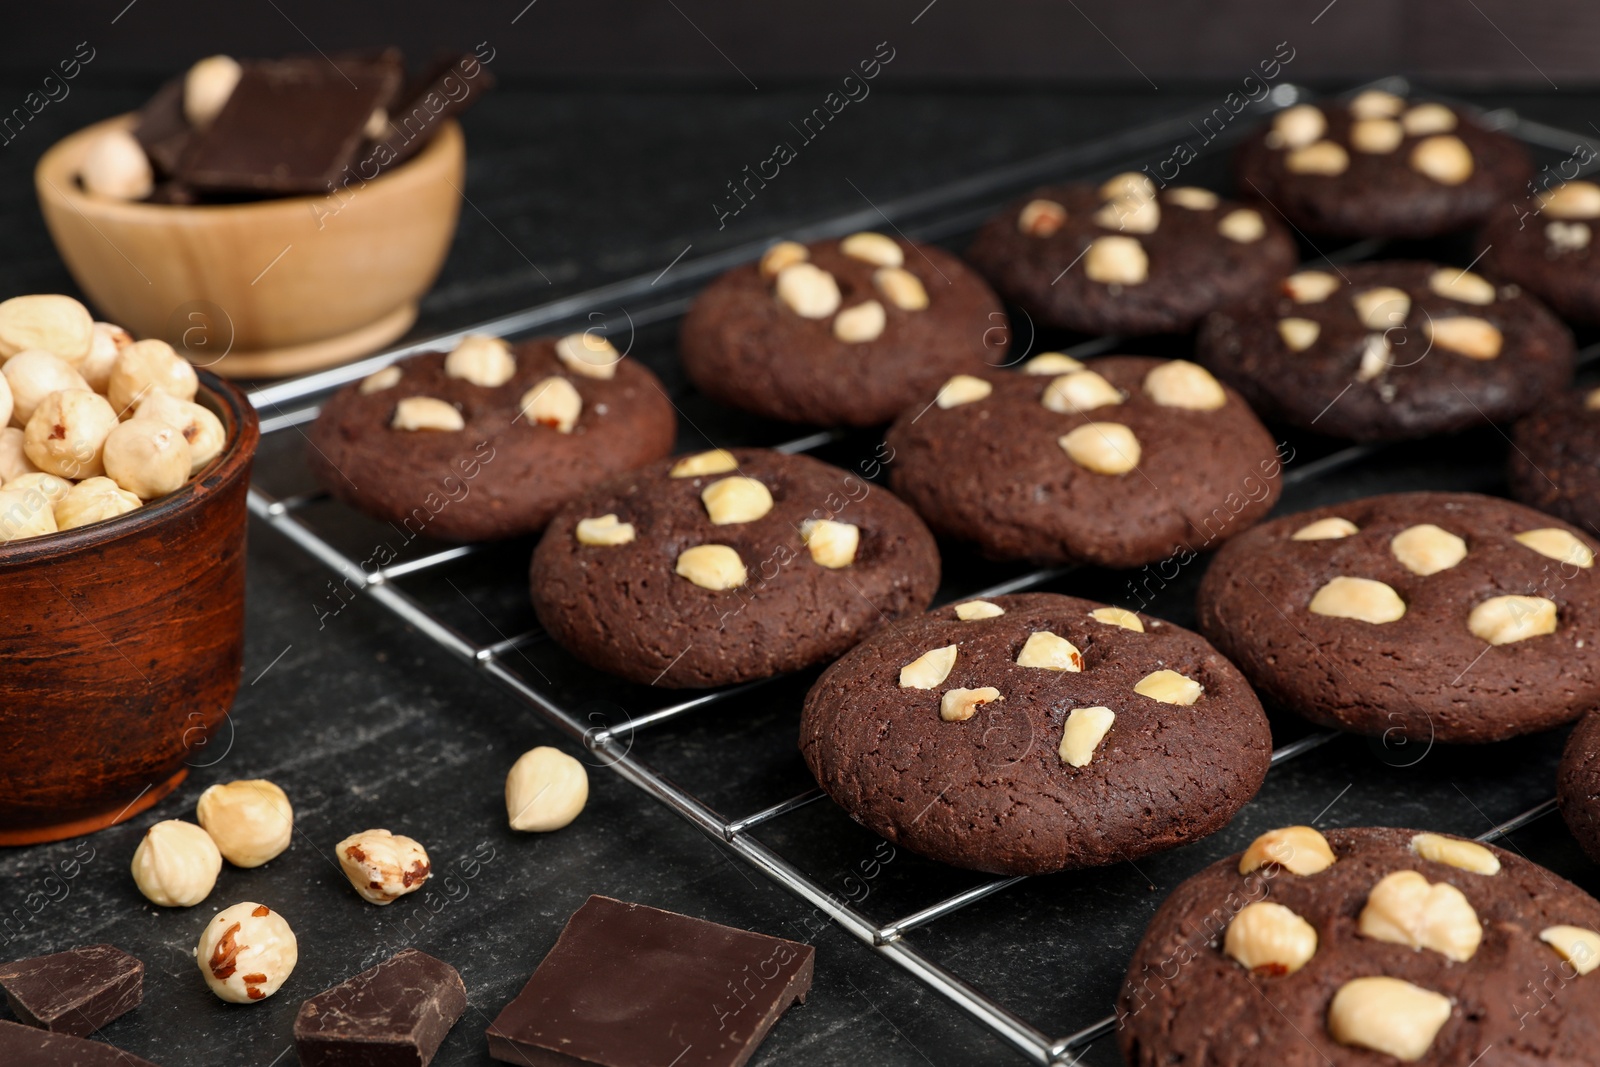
column 122, row 647
column 280, row 286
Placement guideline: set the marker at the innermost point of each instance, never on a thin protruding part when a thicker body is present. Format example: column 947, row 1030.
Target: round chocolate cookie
column 1425, row 616
column 1122, row 462
column 489, row 440
column 1546, row 245
column 1379, row 166
column 1578, row 784
column 1365, row 947
column 1035, row 732
column 1555, row 465
column 1388, row 351
column 840, row 332
column 727, row 566
column 1124, row 258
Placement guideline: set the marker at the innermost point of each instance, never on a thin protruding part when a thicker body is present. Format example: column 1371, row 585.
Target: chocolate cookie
column 1428, row 616
column 489, row 440
column 1388, row 351
column 1578, row 784
column 1555, row 465
column 1545, row 245
column 1122, row 462
column 1124, row 258
column 1035, row 732
column 726, row 566
column 1380, row 166
column 1363, row 947
column 840, row 332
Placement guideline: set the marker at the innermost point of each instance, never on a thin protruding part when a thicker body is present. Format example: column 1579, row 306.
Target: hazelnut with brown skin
column 383, row 867
column 246, row 953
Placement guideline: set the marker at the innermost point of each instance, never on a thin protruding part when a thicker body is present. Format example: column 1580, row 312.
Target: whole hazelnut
column 176, row 864
column 108, row 343
column 5, row 400
column 116, row 168
column 67, row 432
column 25, row 513
column 49, row 322
column 199, row 427
column 246, row 952
column 34, row 375
column 146, row 365
column 14, row 460
column 207, row 86
column 250, row 820
column 93, row 500
column 54, row 488
column 383, row 867
column 545, row 790
column 146, row 457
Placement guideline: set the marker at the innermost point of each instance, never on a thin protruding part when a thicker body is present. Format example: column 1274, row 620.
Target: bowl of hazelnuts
column 123, row 475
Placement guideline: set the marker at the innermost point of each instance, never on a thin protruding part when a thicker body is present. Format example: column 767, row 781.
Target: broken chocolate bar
column 445, row 88
column 631, row 986
column 73, row 992
column 395, row 1013
column 161, row 129
column 23, row 1046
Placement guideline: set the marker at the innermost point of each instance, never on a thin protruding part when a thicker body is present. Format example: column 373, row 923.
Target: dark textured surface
column 73, row 992
column 1187, row 1002
column 395, row 1014
column 1517, row 248
column 1555, row 465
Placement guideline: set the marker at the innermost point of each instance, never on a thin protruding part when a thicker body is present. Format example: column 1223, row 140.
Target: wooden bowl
column 280, row 286
column 122, row 647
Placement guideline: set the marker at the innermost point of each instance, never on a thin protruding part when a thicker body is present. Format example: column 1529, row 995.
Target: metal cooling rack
column 932, row 216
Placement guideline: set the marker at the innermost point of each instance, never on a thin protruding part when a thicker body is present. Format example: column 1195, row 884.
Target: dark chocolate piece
column 73, row 992
column 395, row 1013
column 445, row 89
column 631, row 986
column 23, row 1046
column 162, row 130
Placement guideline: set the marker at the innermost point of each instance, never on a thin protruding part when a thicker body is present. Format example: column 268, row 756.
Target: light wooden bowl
column 279, row 286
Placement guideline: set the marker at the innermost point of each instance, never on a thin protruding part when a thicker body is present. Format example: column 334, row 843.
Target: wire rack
column 406, row 586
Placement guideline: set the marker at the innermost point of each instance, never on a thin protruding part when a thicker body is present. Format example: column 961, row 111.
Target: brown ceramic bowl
column 122, row 645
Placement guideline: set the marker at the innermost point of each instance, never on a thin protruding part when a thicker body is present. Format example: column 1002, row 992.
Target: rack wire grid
column 491, row 627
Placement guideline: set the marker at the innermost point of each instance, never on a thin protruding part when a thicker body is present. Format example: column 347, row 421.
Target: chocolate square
column 395, row 1013
column 23, row 1046
column 73, row 992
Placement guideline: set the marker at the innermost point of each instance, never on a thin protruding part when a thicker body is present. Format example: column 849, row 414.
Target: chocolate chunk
column 395, row 1013
column 23, row 1046
column 445, row 89
column 73, row 992
column 631, row 986
column 162, row 130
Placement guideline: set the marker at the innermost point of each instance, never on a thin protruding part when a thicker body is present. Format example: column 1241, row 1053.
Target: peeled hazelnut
column 1358, row 598
column 545, row 790
column 860, row 324
column 1376, row 137
column 1050, row 652
column 1041, row 218
column 604, row 531
column 1102, row 447
column 1381, row 308
column 146, row 457
column 1444, row 158
column 25, row 513
column 808, row 291
column 54, row 487
column 1387, row 1015
column 902, row 288
column 1297, row 127
column 1118, row 617
column 962, row 389
column 1502, row 620
column 1462, row 285
column 1310, row 286
column 714, row 567
column 736, row 499
column 1556, row 543
column 246, row 953
column 378, row 381
column 1130, row 184
column 383, row 867
column 13, row 455
column 1116, row 261
column 1130, row 214
column 199, row 427
column 5, row 400
column 832, row 544
column 1471, row 337
column 1325, row 530
column 251, row 820
column 874, row 248
column 34, row 375
column 1577, row 946
column 146, row 365
column 588, row 354
column 1299, row 334
column 176, row 864
column 481, row 360
column 377, row 124
column 206, row 88
column 553, row 402
column 1192, row 198
column 1181, row 384
column 67, row 432
column 46, row 322
column 1375, row 357
column 1324, row 157
column 716, row 461
column 1426, row 549
column 1428, row 118
column 781, row 255
column 1169, row 687
column 93, row 500
column 1243, row 225
column 1082, row 390
column 1573, row 200
column 1082, row 733
column 108, row 343
column 1270, row 939
column 1406, row 909
column 928, row 670
column 1051, row 363
column 1376, row 104
column 416, row 413
column 959, row 705
column 972, row 610
column 1466, row 855
column 1297, row 849
column 1568, row 236
column 116, row 168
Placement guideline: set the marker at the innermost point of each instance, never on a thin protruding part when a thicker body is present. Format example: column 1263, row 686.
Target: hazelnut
column 1082, row 733
column 1270, row 939
column 199, row 426
column 1376, row 137
column 116, row 168
column 1577, row 946
column 781, row 255
column 377, row 124
column 14, row 459
column 1324, row 157
column 873, row 248
column 5, row 401
column 1375, row 357
column 54, row 487
column 1424, row 119
column 246, row 953
column 1556, row 543
column 93, row 500
column 1387, row 1015
column 972, row 610
column 1502, row 620
column 1471, row 337
column 146, row 365
column 108, row 343
column 25, row 513
column 714, row 567
column 860, row 324
column 1329, row 529
column 67, row 431
column 808, row 291
column 1050, row 652
column 1169, row 687
column 831, row 544
column 929, row 670
column 1129, row 185
column 1466, row 855
column 176, row 864
column 416, row 413
column 378, row 381
column 33, row 375
column 1041, row 218
column 1462, row 285
column 901, row 288
column 1444, row 158
column 1358, row 598
column 553, row 402
column 1376, row 104
column 251, row 820
column 1310, row 286
column 588, row 354
column 481, row 360
column 1102, row 447
column 1297, row 849
column 1243, row 225
column 1051, row 363
column 1297, row 127
column 383, row 867
column 46, row 322
column 1116, row 261
column 1181, row 384
column 962, row 389
column 604, row 531
column 1079, row 391
column 736, row 499
column 545, row 790
column 716, row 461
column 1192, row 198
column 1572, row 200
column 1426, row 549
column 1299, row 334
column 1118, row 617
column 959, row 705
column 1568, row 236
column 1406, row 909
column 147, row 457
column 1130, row 214
column 1381, row 308
column 206, row 88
